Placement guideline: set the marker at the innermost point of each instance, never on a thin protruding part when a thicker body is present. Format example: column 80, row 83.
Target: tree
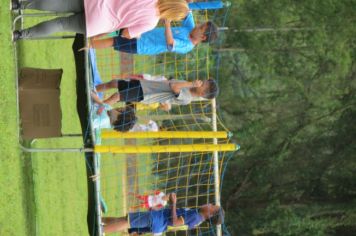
column 290, row 97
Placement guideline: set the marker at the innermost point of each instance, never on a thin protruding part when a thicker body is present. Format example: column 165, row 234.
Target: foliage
column 289, row 94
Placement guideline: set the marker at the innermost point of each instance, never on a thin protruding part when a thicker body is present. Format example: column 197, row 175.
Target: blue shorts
column 139, row 220
column 125, row 45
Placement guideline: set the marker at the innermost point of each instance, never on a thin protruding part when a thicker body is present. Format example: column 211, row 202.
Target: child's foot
column 16, row 35
column 14, row 5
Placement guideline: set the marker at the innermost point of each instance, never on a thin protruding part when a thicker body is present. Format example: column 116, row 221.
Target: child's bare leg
column 95, row 98
column 105, row 86
column 142, row 205
column 115, row 224
column 136, row 207
column 101, row 43
column 112, row 99
column 141, row 197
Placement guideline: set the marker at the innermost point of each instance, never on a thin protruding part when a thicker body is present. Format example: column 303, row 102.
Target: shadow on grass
column 82, row 109
column 29, row 201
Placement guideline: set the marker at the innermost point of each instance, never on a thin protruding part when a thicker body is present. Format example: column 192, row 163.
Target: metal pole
column 96, row 156
column 197, row 117
column 216, row 164
column 107, row 134
column 268, row 29
column 81, row 150
column 206, row 5
column 165, row 148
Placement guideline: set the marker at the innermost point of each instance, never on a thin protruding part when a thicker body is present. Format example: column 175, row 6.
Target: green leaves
column 289, row 94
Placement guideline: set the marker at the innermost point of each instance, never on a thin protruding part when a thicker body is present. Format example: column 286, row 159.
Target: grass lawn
column 42, row 194
column 14, row 181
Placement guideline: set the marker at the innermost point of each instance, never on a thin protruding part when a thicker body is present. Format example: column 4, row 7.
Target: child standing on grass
column 159, row 40
column 100, row 17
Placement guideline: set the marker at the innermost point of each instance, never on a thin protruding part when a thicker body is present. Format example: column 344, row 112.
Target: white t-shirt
column 154, row 77
column 157, row 200
column 150, row 126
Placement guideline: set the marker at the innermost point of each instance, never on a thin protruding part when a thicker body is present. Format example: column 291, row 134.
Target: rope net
column 167, row 149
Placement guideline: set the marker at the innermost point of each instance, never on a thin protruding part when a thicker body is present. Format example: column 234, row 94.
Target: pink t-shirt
column 106, row 16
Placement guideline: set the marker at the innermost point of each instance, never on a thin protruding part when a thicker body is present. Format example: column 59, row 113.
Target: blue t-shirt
column 154, row 42
column 163, row 218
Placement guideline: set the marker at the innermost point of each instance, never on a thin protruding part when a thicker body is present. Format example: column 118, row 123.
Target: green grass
column 14, row 218
column 42, row 194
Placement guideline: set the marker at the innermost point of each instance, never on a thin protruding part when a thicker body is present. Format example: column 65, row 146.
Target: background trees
column 289, row 94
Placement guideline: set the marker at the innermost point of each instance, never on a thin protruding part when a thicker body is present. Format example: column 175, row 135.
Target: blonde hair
column 173, row 10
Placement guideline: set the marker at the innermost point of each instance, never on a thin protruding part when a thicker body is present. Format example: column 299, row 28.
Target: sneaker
column 16, row 35
column 14, row 5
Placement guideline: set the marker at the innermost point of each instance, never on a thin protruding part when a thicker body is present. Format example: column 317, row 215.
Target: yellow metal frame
column 165, row 148
column 109, row 134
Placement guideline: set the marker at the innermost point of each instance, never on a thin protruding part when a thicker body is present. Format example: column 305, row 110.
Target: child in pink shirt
column 101, row 16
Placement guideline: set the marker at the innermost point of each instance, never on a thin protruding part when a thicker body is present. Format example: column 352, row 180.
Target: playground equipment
column 187, row 156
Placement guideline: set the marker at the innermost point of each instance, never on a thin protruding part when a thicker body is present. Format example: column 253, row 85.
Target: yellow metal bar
column 165, row 148
column 107, row 134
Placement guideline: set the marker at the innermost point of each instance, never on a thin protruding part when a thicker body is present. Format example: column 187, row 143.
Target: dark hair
column 218, row 218
column 125, row 120
column 212, row 90
column 211, row 32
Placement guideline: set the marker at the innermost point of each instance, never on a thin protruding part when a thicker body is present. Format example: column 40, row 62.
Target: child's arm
column 128, row 76
column 177, row 86
column 112, row 99
column 175, row 220
column 169, row 35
